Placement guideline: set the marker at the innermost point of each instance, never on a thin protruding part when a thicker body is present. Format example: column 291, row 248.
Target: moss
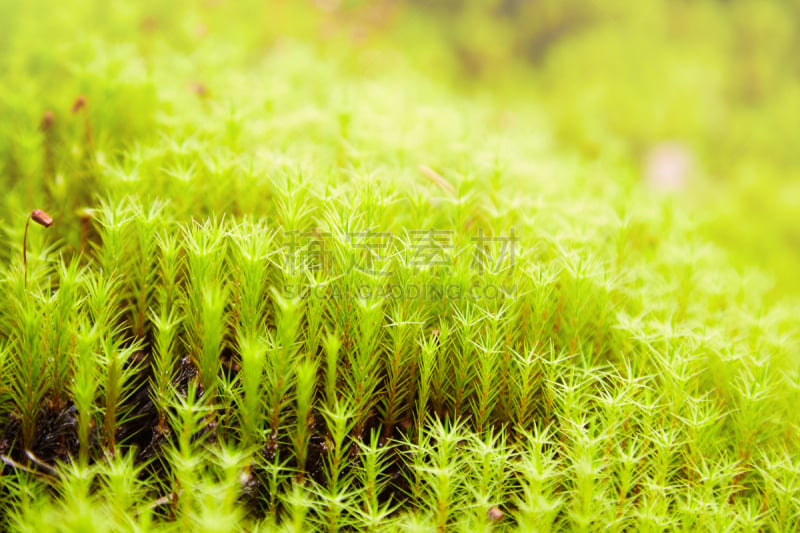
column 326, row 292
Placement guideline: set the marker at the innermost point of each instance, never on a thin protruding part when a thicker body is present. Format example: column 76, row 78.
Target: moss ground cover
column 299, row 287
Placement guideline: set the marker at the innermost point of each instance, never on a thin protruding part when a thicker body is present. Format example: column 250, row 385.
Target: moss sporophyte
column 41, row 218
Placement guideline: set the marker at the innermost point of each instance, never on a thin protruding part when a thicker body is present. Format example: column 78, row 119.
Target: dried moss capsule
column 42, row 218
column 47, row 120
column 80, row 103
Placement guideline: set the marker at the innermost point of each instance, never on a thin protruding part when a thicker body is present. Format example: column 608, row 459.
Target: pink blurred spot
column 668, row 165
column 328, row 6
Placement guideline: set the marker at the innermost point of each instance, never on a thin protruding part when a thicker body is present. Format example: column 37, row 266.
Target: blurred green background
column 713, row 85
column 696, row 99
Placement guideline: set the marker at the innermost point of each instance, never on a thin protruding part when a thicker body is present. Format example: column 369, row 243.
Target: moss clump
column 310, row 296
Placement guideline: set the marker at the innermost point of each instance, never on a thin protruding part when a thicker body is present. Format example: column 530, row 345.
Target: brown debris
column 495, row 514
column 198, row 88
column 435, row 177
